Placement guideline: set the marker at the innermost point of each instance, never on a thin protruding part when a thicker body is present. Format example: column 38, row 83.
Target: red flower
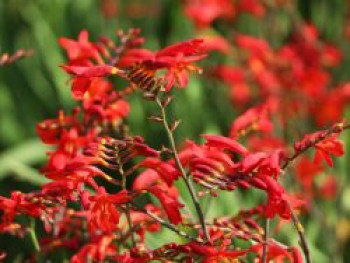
column 99, row 90
column 328, row 188
column 328, row 113
column 104, row 215
column 100, row 102
column 256, row 119
column 314, row 82
column 86, row 77
column 206, row 159
column 265, row 165
column 256, row 46
column 271, row 165
column 134, row 56
column 141, row 149
column 210, row 254
column 78, row 169
column 146, row 179
column 17, row 204
column 71, row 141
column 216, row 43
column 96, row 251
column 204, row 12
column 116, row 111
column 250, row 162
column 236, row 78
column 276, row 252
column 325, row 145
column 91, row 71
column 178, row 59
column 149, row 181
column 254, row 7
column 266, row 143
column 326, row 148
column 148, row 224
column 80, row 50
column 222, row 142
column 65, row 189
column 306, row 170
column 279, row 200
column 166, row 171
column 169, row 202
column 50, row 130
column 331, row 56
column 81, row 85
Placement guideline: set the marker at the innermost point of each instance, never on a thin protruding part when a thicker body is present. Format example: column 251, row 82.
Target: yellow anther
column 101, row 148
column 103, row 162
column 115, row 70
column 61, row 117
column 261, row 231
column 255, row 126
column 340, row 125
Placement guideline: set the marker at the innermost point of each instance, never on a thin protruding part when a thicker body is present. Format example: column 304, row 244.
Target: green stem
column 33, row 236
column 127, row 212
column 266, row 236
column 185, row 177
column 302, row 239
column 166, row 224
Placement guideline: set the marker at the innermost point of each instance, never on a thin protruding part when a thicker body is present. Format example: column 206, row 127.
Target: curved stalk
column 266, row 236
column 127, row 212
column 185, row 177
column 33, row 236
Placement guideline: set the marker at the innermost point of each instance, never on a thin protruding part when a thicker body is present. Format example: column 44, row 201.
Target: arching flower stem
column 127, row 212
column 186, row 177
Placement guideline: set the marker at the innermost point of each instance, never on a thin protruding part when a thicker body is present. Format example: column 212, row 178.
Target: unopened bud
column 174, row 125
column 243, row 184
column 155, row 118
column 167, row 101
column 149, row 96
column 166, row 150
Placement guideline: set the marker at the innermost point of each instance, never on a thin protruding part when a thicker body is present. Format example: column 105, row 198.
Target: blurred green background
column 34, row 88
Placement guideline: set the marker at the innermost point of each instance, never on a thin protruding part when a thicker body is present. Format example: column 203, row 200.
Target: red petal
column 92, row 71
column 250, row 162
column 187, row 48
column 225, row 143
column 80, row 86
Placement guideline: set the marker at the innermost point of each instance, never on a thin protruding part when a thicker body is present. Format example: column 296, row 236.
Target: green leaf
column 18, row 159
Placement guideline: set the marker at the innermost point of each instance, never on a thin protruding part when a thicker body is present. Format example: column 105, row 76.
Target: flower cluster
column 108, row 188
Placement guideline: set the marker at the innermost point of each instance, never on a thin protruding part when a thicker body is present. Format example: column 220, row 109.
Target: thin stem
column 128, row 218
column 166, row 224
column 302, row 239
column 127, row 211
column 266, row 236
column 33, row 236
column 198, row 208
column 335, row 129
column 185, row 177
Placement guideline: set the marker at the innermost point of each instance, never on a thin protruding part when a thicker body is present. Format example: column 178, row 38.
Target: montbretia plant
column 95, row 151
